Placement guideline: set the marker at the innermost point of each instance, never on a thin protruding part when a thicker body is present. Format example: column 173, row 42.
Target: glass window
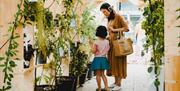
column 127, row 6
column 125, row 17
column 134, row 19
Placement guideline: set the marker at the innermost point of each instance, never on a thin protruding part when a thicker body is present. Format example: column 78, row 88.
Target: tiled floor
column 137, row 80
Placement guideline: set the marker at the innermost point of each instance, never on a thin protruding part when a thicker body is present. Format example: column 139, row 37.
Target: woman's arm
column 120, row 22
column 123, row 29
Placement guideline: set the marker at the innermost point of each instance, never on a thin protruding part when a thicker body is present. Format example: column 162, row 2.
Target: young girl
column 100, row 63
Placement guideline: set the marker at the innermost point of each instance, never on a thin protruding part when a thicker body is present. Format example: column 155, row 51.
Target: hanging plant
column 30, row 13
column 7, row 63
column 87, row 25
column 154, row 31
column 178, row 10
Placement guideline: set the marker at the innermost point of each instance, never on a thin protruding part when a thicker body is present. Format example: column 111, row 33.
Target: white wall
column 172, row 51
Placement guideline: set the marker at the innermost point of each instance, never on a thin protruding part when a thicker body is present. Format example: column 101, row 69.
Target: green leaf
column 10, row 29
column 150, row 69
column 146, row 11
column 178, row 9
column 179, row 44
column 12, row 53
column 11, row 75
column 4, row 69
column 9, row 78
column 7, row 88
column 2, row 65
column 152, row 59
column 5, row 77
column 10, row 69
column 8, row 83
column 157, row 82
column 12, row 63
column 7, row 53
column 145, row 0
column 178, row 26
column 1, row 58
column 178, row 17
column 38, row 79
column 158, row 71
column 17, row 36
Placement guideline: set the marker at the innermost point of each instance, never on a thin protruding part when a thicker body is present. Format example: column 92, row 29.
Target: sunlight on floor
column 137, row 80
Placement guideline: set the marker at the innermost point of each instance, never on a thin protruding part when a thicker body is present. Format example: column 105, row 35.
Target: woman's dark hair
column 108, row 7
column 101, row 31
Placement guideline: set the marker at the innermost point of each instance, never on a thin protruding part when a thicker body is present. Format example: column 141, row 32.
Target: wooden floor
column 137, row 80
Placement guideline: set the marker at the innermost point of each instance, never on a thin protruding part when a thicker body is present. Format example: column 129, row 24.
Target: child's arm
column 93, row 47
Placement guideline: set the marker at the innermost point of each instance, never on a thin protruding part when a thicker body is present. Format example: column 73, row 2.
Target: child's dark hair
column 101, row 31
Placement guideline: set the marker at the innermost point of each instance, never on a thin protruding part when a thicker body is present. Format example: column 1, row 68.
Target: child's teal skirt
column 100, row 63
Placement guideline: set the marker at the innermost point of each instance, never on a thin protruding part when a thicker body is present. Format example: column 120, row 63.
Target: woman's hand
column 111, row 29
column 116, row 30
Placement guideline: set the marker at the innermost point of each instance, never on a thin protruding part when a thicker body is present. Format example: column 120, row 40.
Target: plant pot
column 90, row 72
column 66, row 83
column 45, row 88
column 75, row 84
column 82, row 78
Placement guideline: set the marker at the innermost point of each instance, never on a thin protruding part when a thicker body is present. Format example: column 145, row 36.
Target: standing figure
column 116, row 26
column 100, row 63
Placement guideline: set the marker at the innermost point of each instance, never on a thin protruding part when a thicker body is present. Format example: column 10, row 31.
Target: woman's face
column 105, row 12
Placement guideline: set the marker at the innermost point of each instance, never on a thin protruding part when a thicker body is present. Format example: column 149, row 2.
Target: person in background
column 116, row 25
column 100, row 63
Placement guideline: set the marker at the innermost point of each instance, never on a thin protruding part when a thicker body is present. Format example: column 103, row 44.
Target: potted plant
column 78, row 62
column 47, row 75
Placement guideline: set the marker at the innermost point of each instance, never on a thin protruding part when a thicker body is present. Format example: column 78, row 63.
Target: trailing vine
column 154, row 31
column 30, row 13
column 178, row 10
column 8, row 60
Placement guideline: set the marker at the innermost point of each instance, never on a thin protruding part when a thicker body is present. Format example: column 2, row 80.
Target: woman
column 116, row 25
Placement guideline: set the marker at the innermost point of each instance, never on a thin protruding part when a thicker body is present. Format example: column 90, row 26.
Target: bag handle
column 120, row 35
